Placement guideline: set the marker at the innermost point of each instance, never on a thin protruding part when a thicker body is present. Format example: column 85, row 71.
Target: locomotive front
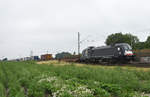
column 127, row 51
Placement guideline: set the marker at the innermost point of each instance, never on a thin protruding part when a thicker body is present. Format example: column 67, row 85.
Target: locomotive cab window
column 127, row 47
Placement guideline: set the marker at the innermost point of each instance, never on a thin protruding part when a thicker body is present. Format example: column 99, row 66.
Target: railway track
column 144, row 65
column 138, row 64
column 131, row 64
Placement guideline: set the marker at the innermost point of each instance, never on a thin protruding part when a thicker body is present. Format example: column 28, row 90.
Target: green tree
column 140, row 45
column 147, row 43
column 114, row 38
column 122, row 38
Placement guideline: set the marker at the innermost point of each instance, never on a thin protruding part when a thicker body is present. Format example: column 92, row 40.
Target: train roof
column 118, row 44
column 105, row 47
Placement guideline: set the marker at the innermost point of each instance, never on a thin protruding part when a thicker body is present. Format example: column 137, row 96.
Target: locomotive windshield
column 127, row 47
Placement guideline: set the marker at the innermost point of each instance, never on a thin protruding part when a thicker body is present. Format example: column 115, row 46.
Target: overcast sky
column 52, row 25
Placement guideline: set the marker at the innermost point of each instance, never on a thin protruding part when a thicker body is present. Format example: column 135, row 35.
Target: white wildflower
column 49, row 79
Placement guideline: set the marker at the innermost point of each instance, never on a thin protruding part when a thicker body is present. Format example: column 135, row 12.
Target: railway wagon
column 46, row 57
column 36, row 58
column 142, row 56
column 112, row 53
column 142, row 53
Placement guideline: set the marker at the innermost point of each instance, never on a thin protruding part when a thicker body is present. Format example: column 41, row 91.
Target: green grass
column 28, row 79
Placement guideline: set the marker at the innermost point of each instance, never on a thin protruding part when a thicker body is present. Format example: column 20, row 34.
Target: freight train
column 120, row 52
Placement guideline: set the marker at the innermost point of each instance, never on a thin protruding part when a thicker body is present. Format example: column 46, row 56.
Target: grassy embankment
column 29, row 79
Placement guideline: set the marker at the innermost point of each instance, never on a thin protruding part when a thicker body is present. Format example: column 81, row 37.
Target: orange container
column 46, row 57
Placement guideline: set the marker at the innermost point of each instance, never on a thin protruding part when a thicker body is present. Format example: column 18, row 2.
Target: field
column 54, row 79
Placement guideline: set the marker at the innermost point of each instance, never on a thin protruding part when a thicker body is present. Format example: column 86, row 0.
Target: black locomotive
column 120, row 52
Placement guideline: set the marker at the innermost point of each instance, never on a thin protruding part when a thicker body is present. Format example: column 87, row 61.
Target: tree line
column 128, row 38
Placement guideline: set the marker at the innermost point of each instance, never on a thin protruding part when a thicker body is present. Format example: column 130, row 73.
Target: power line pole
column 31, row 53
column 78, row 43
column 130, row 39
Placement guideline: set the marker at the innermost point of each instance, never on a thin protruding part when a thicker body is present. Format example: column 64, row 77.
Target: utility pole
column 130, row 38
column 78, row 43
column 31, row 53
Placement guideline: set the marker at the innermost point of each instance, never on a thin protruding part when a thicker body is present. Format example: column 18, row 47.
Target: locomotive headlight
column 128, row 53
